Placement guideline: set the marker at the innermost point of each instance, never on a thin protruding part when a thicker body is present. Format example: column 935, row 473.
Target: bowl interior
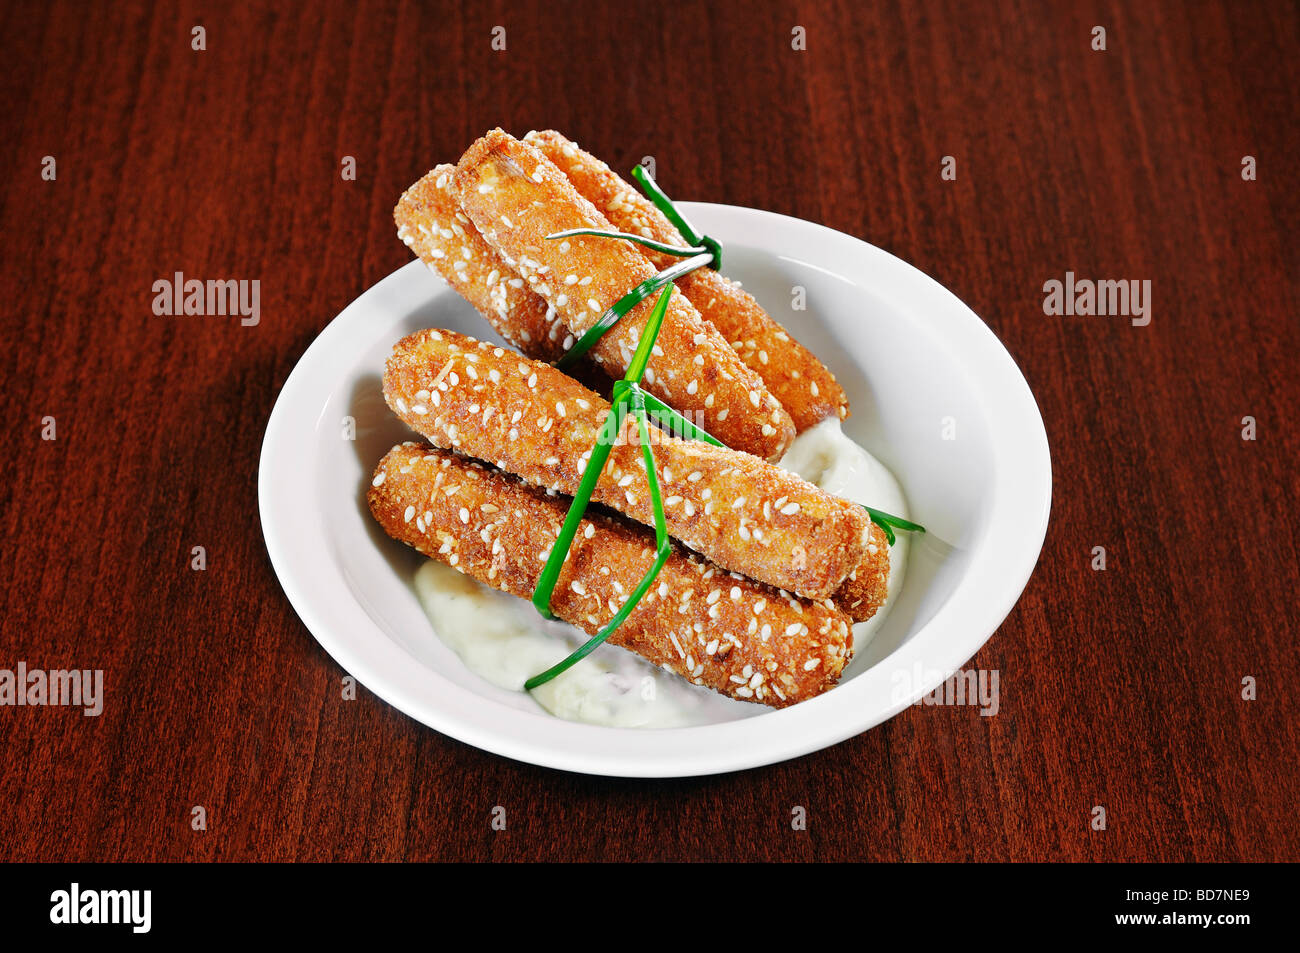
column 914, row 406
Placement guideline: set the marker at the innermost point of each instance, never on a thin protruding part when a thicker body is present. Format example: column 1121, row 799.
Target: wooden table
column 1120, row 688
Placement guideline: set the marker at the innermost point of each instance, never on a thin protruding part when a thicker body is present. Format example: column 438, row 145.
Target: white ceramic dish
column 934, row 396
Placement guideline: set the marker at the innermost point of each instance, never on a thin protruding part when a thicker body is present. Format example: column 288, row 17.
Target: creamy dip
column 503, row 639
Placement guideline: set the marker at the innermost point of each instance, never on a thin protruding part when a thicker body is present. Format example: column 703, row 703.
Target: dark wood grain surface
column 1120, row 688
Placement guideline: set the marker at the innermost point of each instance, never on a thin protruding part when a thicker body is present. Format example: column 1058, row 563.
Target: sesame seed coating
column 744, row 514
column 425, row 214
column 864, row 590
column 799, row 652
column 605, row 270
column 805, row 387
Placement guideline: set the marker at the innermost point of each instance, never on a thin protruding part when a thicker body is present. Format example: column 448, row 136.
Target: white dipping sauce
column 503, row 639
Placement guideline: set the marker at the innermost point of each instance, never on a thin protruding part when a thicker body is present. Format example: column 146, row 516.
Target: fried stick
column 533, row 421
column 516, row 197
column 432, row 225
column 805, row 387
column 716, row 629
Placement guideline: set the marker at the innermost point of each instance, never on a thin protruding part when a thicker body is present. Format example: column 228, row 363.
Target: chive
column 627, row 397
column 625, row 236
column 599, row 454
column 626, row 392
column 625, row 304
column 665, row 205
column 670, row 419
column 888, row 521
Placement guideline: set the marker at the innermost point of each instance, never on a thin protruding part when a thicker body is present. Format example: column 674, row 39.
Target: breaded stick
column 805, row 387
column 864, row 590
column 533, row 421
column 516, row 197
column 432, row 225
column 727, row 632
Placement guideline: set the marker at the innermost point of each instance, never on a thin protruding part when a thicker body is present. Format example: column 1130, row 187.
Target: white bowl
column 919, row 367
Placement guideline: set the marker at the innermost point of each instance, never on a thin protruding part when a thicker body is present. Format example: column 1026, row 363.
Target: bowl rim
column 1020, row 496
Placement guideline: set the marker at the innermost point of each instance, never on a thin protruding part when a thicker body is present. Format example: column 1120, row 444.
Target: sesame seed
column 793, row 628
column 409, row 514
column 593, row 304
column 735, row 592
column 379, row 478
column 790, row 509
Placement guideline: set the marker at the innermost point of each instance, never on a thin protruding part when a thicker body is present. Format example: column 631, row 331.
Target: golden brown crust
column 433, row 226
column 865, row 589
column 805, row 387
column 516, row 197
column 711, row 627
column 533, row 421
